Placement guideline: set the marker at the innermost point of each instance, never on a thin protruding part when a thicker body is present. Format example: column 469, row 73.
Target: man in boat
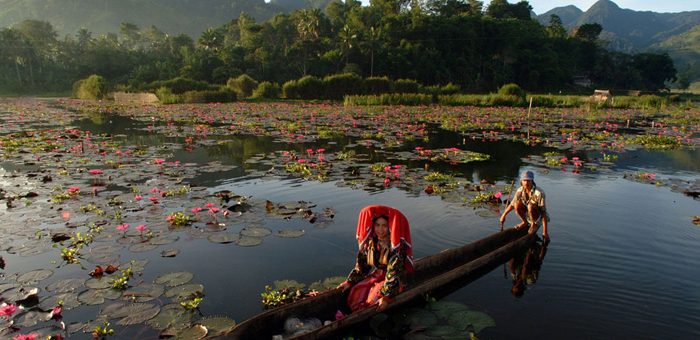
column 529, row 205
column 384, row 258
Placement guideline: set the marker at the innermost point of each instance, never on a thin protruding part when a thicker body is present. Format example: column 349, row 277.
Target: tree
column 655, row 70
column 501, row 9
column 131, row 35
column 555, row 29
column 372, row 43
column 588, row 32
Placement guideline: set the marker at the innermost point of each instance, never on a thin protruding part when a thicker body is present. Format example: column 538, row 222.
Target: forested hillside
column 479, row 48
column 171, row 16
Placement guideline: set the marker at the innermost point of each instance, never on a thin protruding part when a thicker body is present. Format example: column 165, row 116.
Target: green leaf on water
column 34, row 276
column 478, row 320
column 290, row 284
column 184, row 291
column 174, row 279
column 217, row 325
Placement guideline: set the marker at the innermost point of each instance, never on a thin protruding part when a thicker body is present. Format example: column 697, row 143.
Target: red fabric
column 398, row 227
column 366, row 292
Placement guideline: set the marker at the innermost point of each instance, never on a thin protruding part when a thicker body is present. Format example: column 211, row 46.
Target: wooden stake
column 528, row 120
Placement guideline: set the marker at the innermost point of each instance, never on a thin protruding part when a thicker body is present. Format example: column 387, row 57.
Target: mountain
column 171, row 16
column 626, row 29
column 568, row 15
column 685, row 50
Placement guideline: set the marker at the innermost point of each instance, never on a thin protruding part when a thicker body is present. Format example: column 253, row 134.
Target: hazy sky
column 541, row 6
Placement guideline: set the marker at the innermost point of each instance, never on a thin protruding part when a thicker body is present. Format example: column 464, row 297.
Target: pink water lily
column 96, row 172
column 209, row 205
column 159, row 161
column 497, row 194
column 7, row 310
column 56, row 311
column 155, row 190
column 141, row 228
column 153, row 199
column 214, row 210
column 196, row 210
column 138, row 198
column 73, row 190
column 123, row 227
column 31, row 336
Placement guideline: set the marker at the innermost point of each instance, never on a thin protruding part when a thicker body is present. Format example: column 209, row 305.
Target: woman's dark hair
column 374, row 220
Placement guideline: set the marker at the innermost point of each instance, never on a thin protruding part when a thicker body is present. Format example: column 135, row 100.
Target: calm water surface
column 624, row 259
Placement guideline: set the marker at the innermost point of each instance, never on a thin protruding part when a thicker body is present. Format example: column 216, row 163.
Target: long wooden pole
column 512, row 187
column 528, row 121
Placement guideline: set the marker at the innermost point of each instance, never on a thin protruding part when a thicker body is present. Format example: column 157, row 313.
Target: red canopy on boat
column 398, row 227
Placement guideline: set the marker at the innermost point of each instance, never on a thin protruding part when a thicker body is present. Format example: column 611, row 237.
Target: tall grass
column 390, row 99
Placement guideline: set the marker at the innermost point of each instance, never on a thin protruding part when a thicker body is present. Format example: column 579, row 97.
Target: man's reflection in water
column 525, row 267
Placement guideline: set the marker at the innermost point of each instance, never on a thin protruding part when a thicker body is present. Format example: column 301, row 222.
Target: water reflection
column 525, row 267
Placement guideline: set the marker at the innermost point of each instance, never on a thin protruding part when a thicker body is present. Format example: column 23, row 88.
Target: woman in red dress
column 384, row 258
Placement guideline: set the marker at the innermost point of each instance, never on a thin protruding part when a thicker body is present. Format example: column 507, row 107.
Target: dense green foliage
column 93, row 87
column 243, row 85
column 267, row 90
column 421, row 46
column 209, row 96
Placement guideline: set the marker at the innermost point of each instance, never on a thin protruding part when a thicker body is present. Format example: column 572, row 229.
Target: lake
column 623, row 260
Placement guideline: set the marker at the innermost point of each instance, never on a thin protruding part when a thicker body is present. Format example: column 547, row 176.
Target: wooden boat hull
column 465, row 263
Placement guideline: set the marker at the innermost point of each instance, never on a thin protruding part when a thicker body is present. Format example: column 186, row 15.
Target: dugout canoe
column 461, row 264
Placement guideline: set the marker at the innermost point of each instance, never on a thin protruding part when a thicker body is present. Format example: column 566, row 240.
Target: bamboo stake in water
column 528, row 120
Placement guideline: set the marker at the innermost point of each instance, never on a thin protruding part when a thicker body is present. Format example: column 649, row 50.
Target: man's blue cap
column 527, row 176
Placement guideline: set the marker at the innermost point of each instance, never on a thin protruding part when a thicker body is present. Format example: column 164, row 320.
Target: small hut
column 601, row 96
column 142, row 98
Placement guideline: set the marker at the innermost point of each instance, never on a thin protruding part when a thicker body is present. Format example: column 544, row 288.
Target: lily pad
column 255, row 232
column 101, row 283
column 246, row 241
column 419, row 318
column 64, row 286
column 137, row 266
column 171, row 316
column 164, row 239
column 174, row 279
column 446, row 308
column 195, row 332
column 130, row 313
column 142, row 247
column 7, row 286
column 478, row 320
column 328, row 283
column 34, row 276
column 69, row 301
column 446, row 332
column 217, row 325
column 20, row 293
column 169, row 252
column 143, row 292
column 290, row 233
column 32, row 317
column 223, row 238
column 291, row 284
column 184, row 291
column 98, row 296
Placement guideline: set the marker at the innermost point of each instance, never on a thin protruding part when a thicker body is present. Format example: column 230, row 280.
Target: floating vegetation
column 87, row 197
column 130, row 313
column 658, row 142
column 174, row 279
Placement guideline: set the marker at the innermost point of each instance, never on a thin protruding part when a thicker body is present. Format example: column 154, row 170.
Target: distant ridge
column 626, row 29
column 568, row 15
column 171, row 16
